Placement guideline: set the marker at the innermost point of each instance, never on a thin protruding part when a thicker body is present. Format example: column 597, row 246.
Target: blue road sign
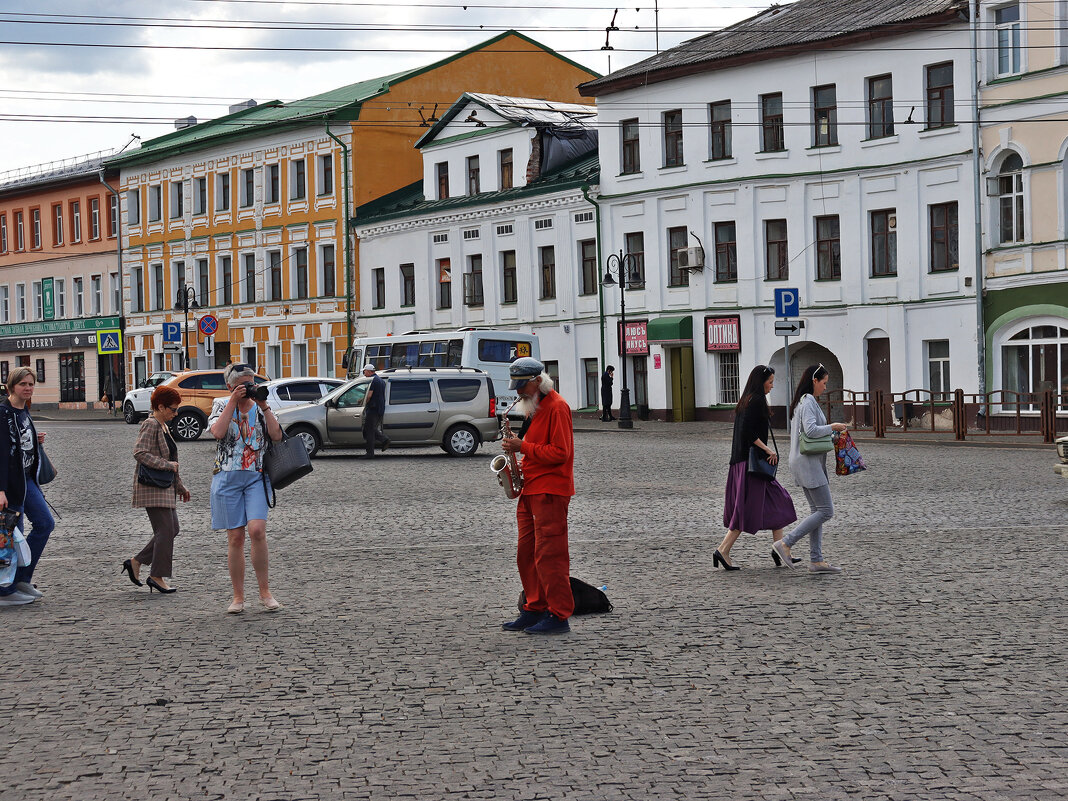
column 787, row 302
column 172, row 332
column 109, row 341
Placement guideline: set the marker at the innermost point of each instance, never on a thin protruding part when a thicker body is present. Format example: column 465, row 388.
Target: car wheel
column 461, row 440
column 128, row 413
column 189, row 425
column 309, row 436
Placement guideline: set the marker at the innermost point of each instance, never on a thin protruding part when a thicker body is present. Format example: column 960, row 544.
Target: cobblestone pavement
column 933, row 668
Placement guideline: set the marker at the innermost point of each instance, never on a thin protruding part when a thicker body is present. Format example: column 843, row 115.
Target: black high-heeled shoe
column 127, row 568
column 778, row 561
column 155, row 585
column 719, row 561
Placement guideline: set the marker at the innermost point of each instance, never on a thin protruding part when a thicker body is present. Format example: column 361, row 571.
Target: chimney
column 236, row 107
column 185, row 122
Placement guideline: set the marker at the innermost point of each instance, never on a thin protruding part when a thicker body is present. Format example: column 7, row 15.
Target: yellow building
column 245, row 215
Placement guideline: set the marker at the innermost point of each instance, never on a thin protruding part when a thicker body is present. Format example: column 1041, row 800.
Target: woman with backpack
column 753, row 502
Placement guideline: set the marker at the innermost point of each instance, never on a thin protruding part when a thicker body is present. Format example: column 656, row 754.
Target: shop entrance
column 72, row 378
column 683, row 395
column 111, row 373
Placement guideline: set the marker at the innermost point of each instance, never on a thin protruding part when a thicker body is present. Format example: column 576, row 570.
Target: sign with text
column 636, row 337
column 48, row 298
column 723, row 334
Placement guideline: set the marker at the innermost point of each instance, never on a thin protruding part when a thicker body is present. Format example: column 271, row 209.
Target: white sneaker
column 16, row 599
column 28, row 589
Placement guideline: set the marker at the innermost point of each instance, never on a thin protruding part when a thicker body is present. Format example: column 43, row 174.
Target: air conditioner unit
column 692, row 258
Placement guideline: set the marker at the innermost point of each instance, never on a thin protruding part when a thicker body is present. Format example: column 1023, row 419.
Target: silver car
column 451, row 407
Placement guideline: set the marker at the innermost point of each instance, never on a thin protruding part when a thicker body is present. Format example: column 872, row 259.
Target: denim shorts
column 237, row 496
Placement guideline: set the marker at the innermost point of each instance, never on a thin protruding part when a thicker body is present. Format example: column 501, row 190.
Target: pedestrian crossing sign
column 109, row 341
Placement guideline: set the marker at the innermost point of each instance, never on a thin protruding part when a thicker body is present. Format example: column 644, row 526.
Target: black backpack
column 588, row 599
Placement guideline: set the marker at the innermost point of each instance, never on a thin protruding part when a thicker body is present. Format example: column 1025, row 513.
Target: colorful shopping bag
column 847, row 458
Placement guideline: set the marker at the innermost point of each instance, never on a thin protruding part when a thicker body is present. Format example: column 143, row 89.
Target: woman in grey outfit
column 810, row 469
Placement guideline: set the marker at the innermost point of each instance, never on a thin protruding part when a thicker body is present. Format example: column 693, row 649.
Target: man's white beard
column 527, row 405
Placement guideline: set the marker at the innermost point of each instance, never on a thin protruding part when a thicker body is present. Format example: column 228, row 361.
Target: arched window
column 1035, row 359
column 1011, row 200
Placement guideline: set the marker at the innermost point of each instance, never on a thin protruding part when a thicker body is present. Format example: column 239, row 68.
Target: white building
column 814, row 146
column 498, row 234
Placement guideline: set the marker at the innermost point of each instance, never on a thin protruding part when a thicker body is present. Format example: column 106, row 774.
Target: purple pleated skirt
column 755, row 504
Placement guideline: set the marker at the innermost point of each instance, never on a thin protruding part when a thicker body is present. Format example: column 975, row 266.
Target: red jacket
column 549, row 449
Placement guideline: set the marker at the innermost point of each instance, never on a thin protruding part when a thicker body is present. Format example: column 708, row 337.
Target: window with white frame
column 274, row 360
column 95, row 295
column 1011, row 200
column 248, row 284
column 137, row 291
column 177, row 199
column 407, row 277
column 75, row 221
column 505, row 230
column 204, row 282
column 57, row 224
column 79, row 294
column 61, row 298
column 300, row 272
column 442, row 238
column 471, row 233
column 36, row 214
column 200, row 195
column 326, row 358
column 324, row 179
column 116, row 293
column 729, row 378
column 272, row 184
column 1007, row 32
column 1034, row 359
column 133, row 206
column 298, row 186
column 113, row 215
column 543, row 224
column 222, row 191
column 248, row 188
column 38, row 301
column 155, row 203
column 300, row 358
column 378, row 288
column 274, row 275
column 3, row 233
column 158, row 300
column 5, row 304
column 20, row 234
column 20, row 303
column 226, row 280
column 328, row 271
column 94, row 218
column 938, row 368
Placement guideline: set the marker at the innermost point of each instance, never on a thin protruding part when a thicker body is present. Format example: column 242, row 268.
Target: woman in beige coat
column 156, row 449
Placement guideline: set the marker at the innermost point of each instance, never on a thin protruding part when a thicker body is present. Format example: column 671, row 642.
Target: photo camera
column 256, row 393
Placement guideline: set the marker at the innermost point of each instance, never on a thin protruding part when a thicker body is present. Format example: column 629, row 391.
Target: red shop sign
column 636, row 337
column 723, row 334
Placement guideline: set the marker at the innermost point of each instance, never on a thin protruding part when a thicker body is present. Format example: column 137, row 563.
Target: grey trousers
column 819, row 498
column 160, row 549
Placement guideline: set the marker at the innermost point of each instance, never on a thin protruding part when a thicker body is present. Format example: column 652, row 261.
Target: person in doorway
column 548, row 451
column 374, row 407
column 607, row 379
column 753, row 503
column 156, row 449
column 810, row 469
column 20, row 459
column 239, row 486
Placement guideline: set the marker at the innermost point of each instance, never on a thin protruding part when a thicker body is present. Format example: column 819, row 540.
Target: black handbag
column 46, row 471
column 589, row 600
column 759, row 465
column 151, row 477
column 286, row 461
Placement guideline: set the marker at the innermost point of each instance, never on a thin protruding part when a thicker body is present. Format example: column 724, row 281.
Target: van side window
column 500, row 350
column 405, row 391
column 456, row 353
column 458, row 390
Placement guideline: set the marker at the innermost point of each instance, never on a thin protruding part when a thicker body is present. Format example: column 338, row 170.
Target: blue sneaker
column 524, row 621
column 550, row 624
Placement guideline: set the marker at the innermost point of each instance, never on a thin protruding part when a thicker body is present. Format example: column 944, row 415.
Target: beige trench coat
column 151, row 451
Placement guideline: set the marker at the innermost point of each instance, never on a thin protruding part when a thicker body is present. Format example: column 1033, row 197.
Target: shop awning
column 671, row 330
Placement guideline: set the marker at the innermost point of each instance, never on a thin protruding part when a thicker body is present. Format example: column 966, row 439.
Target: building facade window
column 828, row 248
column 407, row 276
column 75, row 221
column 720, row 136
column 938, row 368
column 300, row 272
column 1034, row 360
column 5, row 304
column 226, row 280
column 38, row 300
column 329, row 279
column 177, row 199
column 378, row 288
column 20, row 234
column 94, row 218
column 249, row 294
column 57, row 224
column 634, row 245
column 939, row 79
column 672, row 123
column 591, row 382
column 473, row 183
column 729, row 378
column 772, row 132
column 880, row 106
column 20, row 303
column 776, row 250
column 3, row 233
column 944, row 237
column 155, row 203
column 272, row 184
column 113, row 215
column 114, row 285
column 884, row 242
column 442, row 170
column 509, row 285
column 325, row 180
column 248, row 188
column 444, row 283
column 133, row 206
column 630, row 151
column 298, row 180
column 504, row 168
column 200, row 195
column 137, row 301
column 157, row 291
column 726, row 252
column 96, row 295
column 677, row 239
column 1007, row 31
column 274, row 272
column 204, row 282
column 824, row 115
column 473, row 281
column 547, row 263
column 588, row 260
column 1011, row 200
column 61, row 298
column 222, row 191
column 35, row 216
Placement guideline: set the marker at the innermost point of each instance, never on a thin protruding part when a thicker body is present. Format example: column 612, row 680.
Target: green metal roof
column 409, row 201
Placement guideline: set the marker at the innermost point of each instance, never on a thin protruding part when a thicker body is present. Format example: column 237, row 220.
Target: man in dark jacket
column 607, row 379
column 374, row 406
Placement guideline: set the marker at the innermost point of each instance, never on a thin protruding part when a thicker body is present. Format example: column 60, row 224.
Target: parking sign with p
column 787, row 302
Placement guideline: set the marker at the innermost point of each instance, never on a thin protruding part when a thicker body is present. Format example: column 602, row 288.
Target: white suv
column 136, row 405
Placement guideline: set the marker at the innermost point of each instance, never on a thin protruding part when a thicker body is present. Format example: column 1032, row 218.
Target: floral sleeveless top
column 244, row 444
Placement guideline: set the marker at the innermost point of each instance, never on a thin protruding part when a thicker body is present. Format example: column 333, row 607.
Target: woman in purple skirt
column 753, row 503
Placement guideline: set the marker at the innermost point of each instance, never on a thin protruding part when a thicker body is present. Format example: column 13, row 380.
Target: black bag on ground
column 588, row 599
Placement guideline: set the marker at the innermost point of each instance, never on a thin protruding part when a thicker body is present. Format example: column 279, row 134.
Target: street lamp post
column 187, row 299
column 622, row 264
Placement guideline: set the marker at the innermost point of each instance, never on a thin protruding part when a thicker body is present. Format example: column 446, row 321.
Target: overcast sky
column 46, row 90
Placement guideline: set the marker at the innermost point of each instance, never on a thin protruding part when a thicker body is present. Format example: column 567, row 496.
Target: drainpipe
column 118, row 255
column 978, row 180
column 349, row 324
column 600, row 289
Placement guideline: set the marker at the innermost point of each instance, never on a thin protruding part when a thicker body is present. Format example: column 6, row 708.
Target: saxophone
column 505, row 465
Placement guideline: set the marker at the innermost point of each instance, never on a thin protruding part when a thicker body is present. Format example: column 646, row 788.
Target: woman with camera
column 156, row 487
column 20, row 461
column 239, row 486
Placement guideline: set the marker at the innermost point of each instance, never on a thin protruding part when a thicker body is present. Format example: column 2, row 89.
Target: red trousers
column 544, row 566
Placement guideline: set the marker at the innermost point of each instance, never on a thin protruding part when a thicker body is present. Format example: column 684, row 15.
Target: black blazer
column 12, row 476
column 752, row 424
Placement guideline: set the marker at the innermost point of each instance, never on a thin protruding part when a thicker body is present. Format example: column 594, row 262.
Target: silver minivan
column 451, row 407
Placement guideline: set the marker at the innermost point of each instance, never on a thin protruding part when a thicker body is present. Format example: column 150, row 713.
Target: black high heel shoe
column 127, row 568
column 155, row 585
column 778, row 561
column 719, row 561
